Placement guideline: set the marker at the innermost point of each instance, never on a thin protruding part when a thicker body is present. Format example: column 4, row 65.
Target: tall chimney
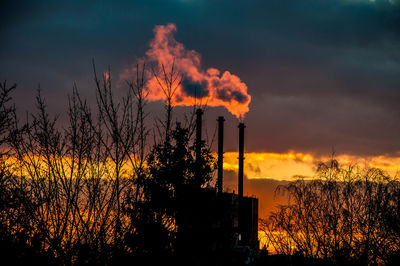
column 199, row 114
column 220, row 153
column 241, row 158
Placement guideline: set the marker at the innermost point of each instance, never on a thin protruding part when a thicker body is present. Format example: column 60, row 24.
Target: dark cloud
column 322, row 74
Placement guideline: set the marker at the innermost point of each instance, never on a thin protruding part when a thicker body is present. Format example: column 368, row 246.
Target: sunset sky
column 322, row 75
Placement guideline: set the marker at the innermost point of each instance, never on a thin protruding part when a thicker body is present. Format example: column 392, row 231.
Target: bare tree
column 169, row 81
column 88, row 191
column 338, row 216
column 77, row 176
column 6, row 115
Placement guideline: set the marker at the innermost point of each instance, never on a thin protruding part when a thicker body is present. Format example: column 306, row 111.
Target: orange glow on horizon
column 280, row 166
column 285, row 166
column 277, row 166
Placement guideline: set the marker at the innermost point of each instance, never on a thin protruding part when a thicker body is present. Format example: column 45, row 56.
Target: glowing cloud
column 285, row 166
column 209, row 86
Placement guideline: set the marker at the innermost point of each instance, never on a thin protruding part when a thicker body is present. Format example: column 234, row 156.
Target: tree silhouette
column 172, row 172
column 344, row 215
column 20, row 242
column 93, row 190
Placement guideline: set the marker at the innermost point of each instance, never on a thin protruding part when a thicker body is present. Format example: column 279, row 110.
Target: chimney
column 199, row 114
column 220, row 154
column 241, row 158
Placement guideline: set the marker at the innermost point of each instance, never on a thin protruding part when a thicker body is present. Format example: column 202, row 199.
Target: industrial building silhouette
column 211, row 220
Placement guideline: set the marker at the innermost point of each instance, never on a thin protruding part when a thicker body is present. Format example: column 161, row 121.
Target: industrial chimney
column 241, row 159
column 220, row 154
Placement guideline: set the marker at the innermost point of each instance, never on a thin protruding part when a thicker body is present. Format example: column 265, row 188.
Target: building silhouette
column 213, row 221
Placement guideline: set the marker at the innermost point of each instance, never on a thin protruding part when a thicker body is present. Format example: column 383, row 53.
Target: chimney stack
column 220, row 154
column 241, row 158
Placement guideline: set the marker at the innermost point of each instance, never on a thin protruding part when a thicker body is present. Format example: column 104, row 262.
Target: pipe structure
column 241, row 159
column 220, row 154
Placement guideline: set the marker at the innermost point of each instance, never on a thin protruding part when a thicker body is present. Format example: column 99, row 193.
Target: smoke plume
column 209, row 86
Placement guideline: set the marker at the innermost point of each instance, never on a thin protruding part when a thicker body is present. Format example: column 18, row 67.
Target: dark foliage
column 172, row 170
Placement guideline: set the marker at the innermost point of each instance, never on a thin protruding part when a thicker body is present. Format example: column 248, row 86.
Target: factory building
column 214, row 220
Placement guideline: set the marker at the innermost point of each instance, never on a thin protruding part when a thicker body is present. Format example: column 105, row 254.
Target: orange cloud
column 279, row 166
column 284, row 166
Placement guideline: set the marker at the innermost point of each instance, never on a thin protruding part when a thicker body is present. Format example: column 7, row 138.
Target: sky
column 322, row 75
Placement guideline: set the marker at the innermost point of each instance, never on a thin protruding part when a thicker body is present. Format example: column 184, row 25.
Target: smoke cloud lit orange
column 209, row 86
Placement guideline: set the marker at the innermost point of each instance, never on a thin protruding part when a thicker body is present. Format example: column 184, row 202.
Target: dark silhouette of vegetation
column 346, row 215
column 19, row 241
column 171, row 173
column 95, row 191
